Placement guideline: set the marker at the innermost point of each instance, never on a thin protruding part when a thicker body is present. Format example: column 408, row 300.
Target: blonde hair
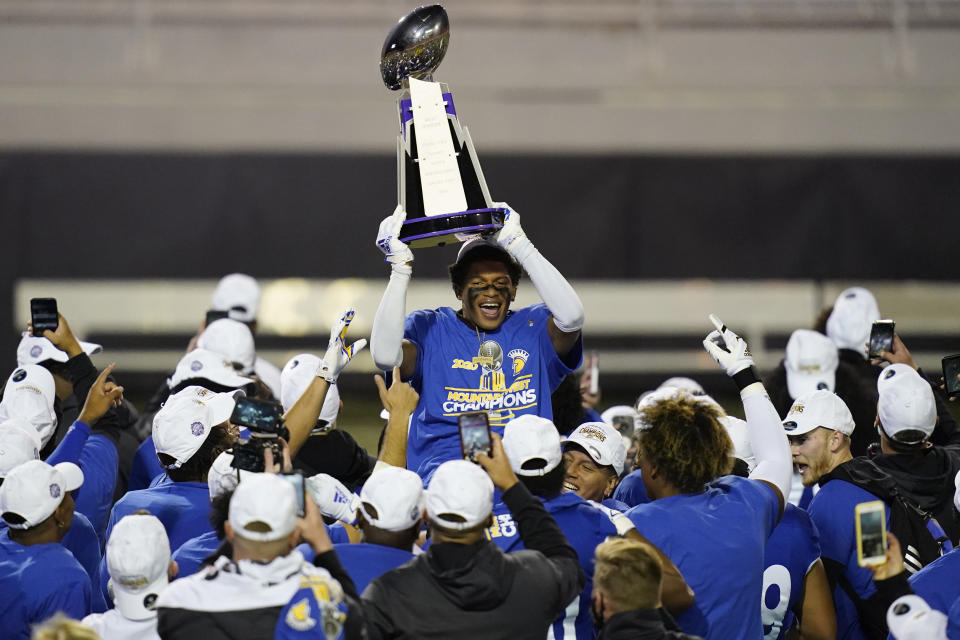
column 60, row 627
column 686, row 442
column 628, row 572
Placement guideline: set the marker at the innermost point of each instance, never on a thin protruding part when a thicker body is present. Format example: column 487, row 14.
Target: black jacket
column 926, row 477
column 639, row 624
column 478, row 591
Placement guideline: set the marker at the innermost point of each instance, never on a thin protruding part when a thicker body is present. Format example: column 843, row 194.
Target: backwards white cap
column 138, row 556
column 185, row 420
column 530, row 438
column 239, row 295
column 460, row 495
column 854, row 313
column 905, row 404
column 231, row 339
column 392, row 499
column 263, row 507
column 29, row 394
column 811, row 363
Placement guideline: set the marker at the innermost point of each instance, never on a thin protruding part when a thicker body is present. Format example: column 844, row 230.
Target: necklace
column 485, row 361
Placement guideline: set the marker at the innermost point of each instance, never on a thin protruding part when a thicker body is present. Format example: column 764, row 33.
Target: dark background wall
column 131, row 215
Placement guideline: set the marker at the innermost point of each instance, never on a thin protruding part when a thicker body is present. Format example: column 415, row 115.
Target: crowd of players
column 666, row 519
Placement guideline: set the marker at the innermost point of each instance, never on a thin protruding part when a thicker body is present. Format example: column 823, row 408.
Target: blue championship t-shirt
column 832, row 511
column 585, row 527
column 792, row 549
column 510, row 371
column 716, row 539
column 37, row 581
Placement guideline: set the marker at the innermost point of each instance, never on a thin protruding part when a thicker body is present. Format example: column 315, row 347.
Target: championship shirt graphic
column 502, row 384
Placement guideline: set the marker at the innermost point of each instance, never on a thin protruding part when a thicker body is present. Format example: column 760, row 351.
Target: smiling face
column 487, row 293
column 812, row 454
column 585, row 477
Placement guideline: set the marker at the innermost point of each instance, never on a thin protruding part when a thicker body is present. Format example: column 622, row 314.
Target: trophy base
column 437, row 231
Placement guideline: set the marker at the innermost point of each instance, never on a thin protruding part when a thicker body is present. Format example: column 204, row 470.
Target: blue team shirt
column 631, row 491
column 791, row 550
column 317, row 610
column 716, row 539
column 145, row 466
column 99, row 463
column 37, row 581
column 937, row 582
column 182, row 507
column 449, row 382
column 832, row 511
column 364, row 561
column 585, row 527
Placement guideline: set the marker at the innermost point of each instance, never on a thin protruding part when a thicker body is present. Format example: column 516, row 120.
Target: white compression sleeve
column 386, row 335
column 554, row 290
column 768, row 439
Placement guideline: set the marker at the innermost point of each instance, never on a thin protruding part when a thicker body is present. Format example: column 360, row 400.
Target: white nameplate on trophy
column 436, row 159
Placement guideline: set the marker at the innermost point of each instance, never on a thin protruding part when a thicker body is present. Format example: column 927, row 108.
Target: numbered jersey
column 585, row 526
column 507, row 372
column 791, row 550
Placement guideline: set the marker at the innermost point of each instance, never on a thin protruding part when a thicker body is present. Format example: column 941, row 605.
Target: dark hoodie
column 926, row 477
column 477, row 591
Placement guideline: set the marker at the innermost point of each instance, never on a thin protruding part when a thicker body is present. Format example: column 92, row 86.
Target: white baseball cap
column 906, row 407
column 201, row 363
column 36, row 349
column 296, row 376
column 601, row 442
column 681, row 382
column 811, row 362
column 263, row 507
column 223, row 477
column 185, row 420
column 854, row 313
column 231, row 339
column 34, row 490
column 462, row 490
column 530, row 439
column 819, row 408
column 737, row 430
column 396, row 496
column 911, row 618
column 19, row 443
column 138, row 556
column 239, row 295
column 29, row 394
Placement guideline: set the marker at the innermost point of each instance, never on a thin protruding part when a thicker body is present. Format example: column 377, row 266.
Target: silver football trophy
column 439, row 181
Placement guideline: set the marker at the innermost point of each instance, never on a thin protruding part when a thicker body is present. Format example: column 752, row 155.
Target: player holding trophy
column 483, row 356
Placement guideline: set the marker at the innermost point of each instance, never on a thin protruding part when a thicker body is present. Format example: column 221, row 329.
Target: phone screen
column 951, row 368
column 257, row 415
column 474, row 434
column 881, row 337
column 296, row 479
column 43, row 315
column 871, row 533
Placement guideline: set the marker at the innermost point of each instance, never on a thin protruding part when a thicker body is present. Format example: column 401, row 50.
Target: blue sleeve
column 72, row 444
column 415, row 330
column 811, row 538
column 145, row 466
column 99, row 461
column 631, row 490
column 557, row 368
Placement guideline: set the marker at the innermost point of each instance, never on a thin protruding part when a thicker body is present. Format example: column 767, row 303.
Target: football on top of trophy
column 415, row 46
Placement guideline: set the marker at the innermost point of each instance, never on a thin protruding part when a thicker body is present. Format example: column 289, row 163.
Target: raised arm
column 387, row 345
column 553, row 288
column 767, row 437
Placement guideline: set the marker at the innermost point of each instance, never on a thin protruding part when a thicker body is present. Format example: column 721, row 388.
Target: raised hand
column 102, row 396
column 388, row 238
column 338, row 354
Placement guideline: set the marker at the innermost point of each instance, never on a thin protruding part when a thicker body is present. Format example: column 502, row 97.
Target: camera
column 264, row 420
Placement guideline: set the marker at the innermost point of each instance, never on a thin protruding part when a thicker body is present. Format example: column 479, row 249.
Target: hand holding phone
column 474, row 434
column 881, row 338
column 871, row 522
column 951, row 369
column 44, row 315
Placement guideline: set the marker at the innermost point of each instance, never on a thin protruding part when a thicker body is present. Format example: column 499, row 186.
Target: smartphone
column 43, row 315
column 871, row 533
column 258, row 415
column 594, row 367
column 881, row 338
column 951, row 368
column 213, row 315
column 296, row 479
column 474, row 434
